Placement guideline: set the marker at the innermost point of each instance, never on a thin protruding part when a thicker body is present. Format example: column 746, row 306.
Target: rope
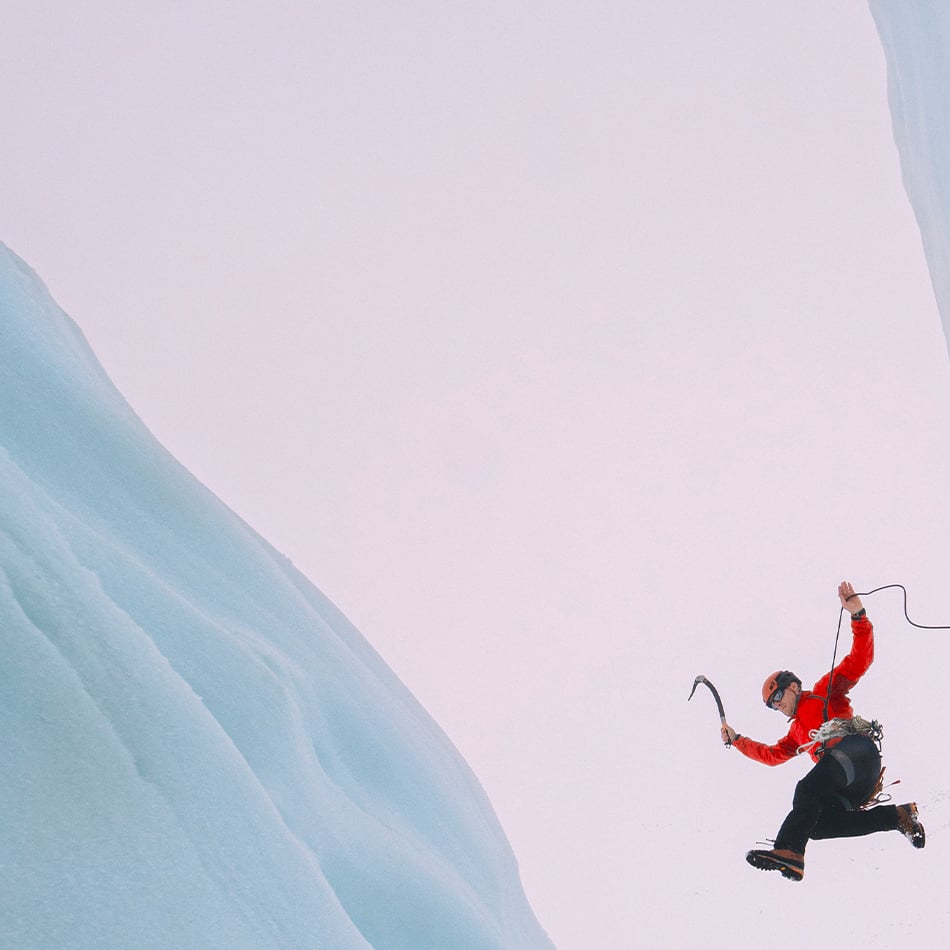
column 921, row 626
column 834, row 655
column 834, row 728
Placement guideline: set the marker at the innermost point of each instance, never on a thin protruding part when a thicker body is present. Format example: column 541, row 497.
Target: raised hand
column 849, row 599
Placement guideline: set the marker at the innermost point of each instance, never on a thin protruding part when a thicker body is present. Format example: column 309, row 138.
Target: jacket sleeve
column 776, row 754
column 855, row 664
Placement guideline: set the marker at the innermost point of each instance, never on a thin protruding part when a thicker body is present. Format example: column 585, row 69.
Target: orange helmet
column 777, row 680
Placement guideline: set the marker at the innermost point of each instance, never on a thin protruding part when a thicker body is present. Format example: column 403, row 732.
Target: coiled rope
column 837, row 728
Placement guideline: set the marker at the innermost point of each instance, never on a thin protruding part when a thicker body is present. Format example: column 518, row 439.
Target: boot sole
column 768, row 862
column 915, row 833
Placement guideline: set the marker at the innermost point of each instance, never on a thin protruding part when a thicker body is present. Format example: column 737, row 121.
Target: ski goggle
column 776, row 698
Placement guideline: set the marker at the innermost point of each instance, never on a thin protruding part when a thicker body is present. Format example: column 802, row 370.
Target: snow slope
column 199, row 750
column 915, row 35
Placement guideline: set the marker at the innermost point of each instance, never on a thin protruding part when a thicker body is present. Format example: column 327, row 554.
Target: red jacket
column 810, row 713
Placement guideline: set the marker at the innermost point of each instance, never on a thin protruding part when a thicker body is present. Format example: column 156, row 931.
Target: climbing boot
column 908, row 824
column 790, row 863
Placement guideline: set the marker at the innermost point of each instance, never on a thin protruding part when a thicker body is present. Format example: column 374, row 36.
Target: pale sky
column 571, row 349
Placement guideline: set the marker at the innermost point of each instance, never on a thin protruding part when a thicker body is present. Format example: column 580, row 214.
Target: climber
column 831, row 800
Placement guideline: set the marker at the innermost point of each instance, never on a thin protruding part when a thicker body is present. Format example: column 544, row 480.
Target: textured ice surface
column 199, row 750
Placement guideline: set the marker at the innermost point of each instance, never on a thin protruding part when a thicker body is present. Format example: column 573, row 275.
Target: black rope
column 922, row 626
column 834, row 655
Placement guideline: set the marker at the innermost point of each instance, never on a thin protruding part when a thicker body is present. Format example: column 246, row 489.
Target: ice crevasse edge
column 200, row 751
column 915, row 35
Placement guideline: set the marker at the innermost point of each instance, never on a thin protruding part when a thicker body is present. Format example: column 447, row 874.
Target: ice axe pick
column 722, row 713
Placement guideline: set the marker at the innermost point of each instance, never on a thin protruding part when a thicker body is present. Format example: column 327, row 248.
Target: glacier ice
column 916, row 37
column 200, row 751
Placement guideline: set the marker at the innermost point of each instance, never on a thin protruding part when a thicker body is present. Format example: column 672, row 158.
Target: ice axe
column 722, row 713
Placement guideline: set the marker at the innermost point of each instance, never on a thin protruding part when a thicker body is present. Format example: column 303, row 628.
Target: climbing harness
column 838, row 728
column 856, row 726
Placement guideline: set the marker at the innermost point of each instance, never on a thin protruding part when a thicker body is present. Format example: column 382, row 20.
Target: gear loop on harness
column 838, row 728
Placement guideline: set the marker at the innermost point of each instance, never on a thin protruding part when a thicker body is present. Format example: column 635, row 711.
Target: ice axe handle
column 722, row 713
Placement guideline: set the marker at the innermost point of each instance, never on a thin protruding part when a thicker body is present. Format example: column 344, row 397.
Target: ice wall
column 199, row 751
column 916, row 39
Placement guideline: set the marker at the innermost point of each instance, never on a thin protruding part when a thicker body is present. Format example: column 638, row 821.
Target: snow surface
column 915, row 35
column 199, row 750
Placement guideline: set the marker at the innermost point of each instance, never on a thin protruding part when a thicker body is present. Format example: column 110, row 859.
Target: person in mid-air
column 828, row 800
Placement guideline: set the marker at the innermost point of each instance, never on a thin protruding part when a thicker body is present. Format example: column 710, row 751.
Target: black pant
column 826, row 798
